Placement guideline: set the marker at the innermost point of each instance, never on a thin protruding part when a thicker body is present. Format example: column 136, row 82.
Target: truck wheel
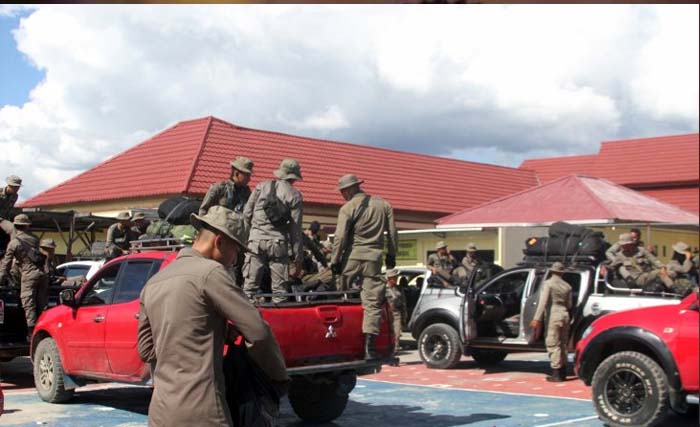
column 630, row 389
column 488, row 357
column 48, row 373
column 439, row 346
column 321, row 399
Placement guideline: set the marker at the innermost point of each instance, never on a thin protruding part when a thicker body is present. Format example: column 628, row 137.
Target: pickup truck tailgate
column 322, row 333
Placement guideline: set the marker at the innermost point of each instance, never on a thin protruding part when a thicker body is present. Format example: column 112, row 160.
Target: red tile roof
column 573, row 198
column 670, row 165
column 189, row 156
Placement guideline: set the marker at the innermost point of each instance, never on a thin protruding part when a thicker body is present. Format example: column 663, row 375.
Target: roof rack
column 171, row 244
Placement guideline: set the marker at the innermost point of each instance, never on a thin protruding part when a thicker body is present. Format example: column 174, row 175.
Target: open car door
column 480, row 275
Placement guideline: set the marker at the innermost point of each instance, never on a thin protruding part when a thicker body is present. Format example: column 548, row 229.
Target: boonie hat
column 22, row 219
column 13, row 181
column 47, row 243
column 392, row 273
column 348, row 180
column 243, row 164
column 224, row 220
column 557, row 267
column 681, row 247
column 139, row 215
column 625, row 239
column 471, row 247
column 289, row 169
column 123, row 216
column 440, row 245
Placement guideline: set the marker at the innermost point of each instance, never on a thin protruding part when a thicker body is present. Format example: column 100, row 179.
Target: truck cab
column 489, row 316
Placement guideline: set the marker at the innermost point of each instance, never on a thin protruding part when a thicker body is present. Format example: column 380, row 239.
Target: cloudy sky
column 491, row 83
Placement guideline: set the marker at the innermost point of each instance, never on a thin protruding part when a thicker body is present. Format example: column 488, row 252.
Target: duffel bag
column 177, row 210
column 566, row 230
column 159, row 228
column 185, row 233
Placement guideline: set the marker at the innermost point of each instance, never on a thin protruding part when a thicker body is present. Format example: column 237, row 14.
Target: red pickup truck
column 640, row 362
column 91, row 336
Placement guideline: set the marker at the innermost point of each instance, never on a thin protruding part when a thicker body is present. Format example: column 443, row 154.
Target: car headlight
column 587, row 332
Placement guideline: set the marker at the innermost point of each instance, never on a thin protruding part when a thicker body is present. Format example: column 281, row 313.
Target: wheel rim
column 625, row 392
column 436, row 348
column 46, row 371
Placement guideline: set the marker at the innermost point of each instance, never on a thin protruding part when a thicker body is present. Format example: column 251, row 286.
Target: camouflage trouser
column 34, row 293
column 397, row 326
column 267, row 253
column 369, row 273
column 557, row 339
column 324, row 277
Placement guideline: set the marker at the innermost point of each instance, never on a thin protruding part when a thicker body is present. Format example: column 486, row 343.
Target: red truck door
column 84, row 334
column 122, row 320
column 687, row 352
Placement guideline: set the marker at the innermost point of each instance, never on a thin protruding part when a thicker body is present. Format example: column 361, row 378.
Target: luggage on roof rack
column 567, row 243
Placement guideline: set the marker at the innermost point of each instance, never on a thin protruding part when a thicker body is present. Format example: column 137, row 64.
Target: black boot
column 556, row 377
column 370, row 347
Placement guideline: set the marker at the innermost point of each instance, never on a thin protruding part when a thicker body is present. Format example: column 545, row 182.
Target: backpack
column 276, row 210
column 177, row 210
column 159, row 228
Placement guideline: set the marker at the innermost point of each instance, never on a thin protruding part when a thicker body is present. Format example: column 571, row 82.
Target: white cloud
column 490, row 83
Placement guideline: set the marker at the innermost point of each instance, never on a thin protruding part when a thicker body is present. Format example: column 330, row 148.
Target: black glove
column 390, row 261
column 335, row 268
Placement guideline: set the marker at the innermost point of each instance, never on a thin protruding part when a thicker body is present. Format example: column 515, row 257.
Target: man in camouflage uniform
column 234, row 193
column 676, row 275
column 555, row 300
column 47, row 247
column 24, row 250
column 397, row 304
column 119, row 236
column 464, row 270
column 358, row 248
column 635, row 235
column 140, row 224
column 633, row 263
column 441, row 265
column 8, row 198
column 270, row 245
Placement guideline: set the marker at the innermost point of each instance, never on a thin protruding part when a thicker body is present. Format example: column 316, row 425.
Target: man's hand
column 535, row 324
column 390, row 261
column 335, row 268
column 298, row 269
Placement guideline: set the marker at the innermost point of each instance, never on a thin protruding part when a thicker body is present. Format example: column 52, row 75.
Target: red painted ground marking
column 479, row 379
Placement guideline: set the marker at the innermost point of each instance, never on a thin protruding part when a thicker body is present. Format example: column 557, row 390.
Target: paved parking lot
column 512, row 394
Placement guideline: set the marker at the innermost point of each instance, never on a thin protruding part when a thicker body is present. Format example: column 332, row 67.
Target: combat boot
column 370, row 347
column 557, row 376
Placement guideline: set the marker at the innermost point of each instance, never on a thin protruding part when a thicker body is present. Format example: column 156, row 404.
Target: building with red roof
column 187, row 157
column 666, row 168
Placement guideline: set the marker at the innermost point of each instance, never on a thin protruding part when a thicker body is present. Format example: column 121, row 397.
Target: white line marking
column 509, row 393
column 561, row 423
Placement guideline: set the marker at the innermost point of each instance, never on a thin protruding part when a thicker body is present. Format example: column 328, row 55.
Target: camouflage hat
column 392, row 273
column 471, row 247
column 348, row 180
column 13, row 181
column 124, row 216
column 289, row 169
column 440, row 245
column 139, row 215
column 681, row 247
column 557, row 267
column 242, row 164
column 225, row 220
column 626, row 239
column 22, row 219
column 48, row 243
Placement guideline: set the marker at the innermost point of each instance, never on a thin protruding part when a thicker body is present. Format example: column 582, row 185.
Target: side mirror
column 67, row 297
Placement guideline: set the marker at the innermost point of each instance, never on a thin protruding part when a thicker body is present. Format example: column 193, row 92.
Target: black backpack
column 276, row 210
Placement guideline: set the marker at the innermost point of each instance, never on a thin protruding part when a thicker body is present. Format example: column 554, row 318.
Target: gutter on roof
column 438, row 230
column 526, row 224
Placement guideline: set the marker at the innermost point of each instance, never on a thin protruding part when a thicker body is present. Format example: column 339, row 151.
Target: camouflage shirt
column 24, row 250
column 226, row 194
column 7, row 202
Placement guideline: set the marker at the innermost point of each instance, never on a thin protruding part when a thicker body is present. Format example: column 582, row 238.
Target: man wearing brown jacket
column 183, row 326
column 358, row 248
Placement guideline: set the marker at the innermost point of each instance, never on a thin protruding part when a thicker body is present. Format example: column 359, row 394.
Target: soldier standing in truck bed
column 8, row 198
column 441, row 265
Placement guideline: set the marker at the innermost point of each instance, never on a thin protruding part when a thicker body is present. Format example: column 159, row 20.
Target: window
column 513, row 283
column 132, row 280
column 573, row 279
column 74, row 271
column 101, row 288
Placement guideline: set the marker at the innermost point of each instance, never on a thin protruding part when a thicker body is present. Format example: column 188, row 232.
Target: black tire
column 439, row 346
column 488, row 357
column 48, row 373
column 630, row 389
column 321, row 399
